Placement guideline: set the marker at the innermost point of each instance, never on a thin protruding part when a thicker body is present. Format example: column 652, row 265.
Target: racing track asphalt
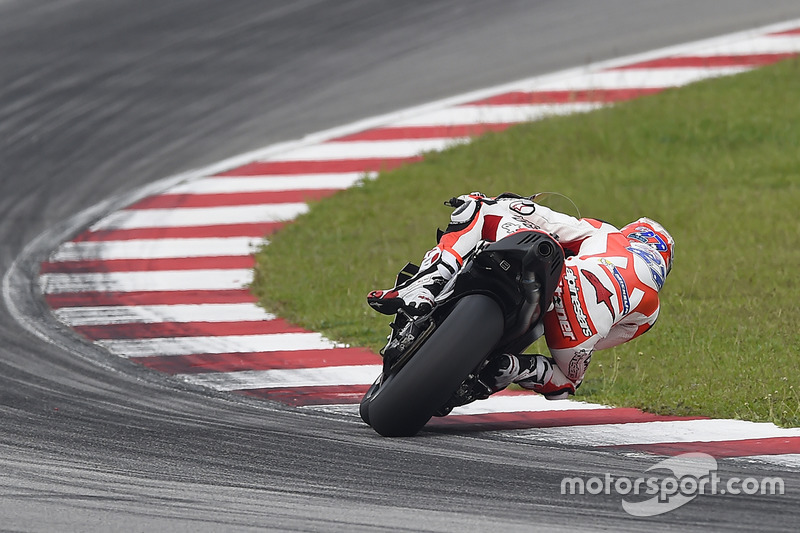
column 98, row 98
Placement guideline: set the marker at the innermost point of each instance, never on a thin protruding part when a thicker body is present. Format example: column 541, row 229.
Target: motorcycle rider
column 607, row 294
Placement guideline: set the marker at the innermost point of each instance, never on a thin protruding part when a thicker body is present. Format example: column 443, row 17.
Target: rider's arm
column 569, row 231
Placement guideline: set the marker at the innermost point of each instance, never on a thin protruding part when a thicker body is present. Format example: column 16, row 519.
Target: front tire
column 405, row 401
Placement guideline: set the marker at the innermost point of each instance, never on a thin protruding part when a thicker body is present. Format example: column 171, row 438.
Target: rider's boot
column 533, row 372
column 416, row 295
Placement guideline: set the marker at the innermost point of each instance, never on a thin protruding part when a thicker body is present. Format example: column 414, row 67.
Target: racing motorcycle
column 494, row 304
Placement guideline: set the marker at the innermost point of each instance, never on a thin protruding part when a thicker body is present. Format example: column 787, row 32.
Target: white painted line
column 148, row 314
column 493, row 404
column 222, row 185
column 156, row 248
column 657, row 432
column 647, row 78
column 517, row 403
column 332, row 151
column 776, row 44
column 655, row 78
column 281, row 378
column 168, row 346
column 200, row 216
column 494, row 114
column 166, row 280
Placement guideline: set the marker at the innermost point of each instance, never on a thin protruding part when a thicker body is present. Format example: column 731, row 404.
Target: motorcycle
column 494, row 304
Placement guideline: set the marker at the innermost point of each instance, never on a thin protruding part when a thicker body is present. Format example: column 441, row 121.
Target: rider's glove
column 464, row 198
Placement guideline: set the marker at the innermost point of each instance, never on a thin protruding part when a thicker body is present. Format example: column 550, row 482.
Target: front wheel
column 403, row 402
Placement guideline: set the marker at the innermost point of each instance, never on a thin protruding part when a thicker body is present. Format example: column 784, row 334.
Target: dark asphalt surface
column 98, row 98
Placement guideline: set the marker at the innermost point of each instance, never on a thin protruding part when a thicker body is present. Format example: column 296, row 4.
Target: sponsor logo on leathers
column 523, row 207
column 603, row 295
column 579, row 363
column 561, row 314
column 572, row 285
column 623, row 287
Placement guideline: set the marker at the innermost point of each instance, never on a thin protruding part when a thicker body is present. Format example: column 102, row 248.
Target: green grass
column 718, row 163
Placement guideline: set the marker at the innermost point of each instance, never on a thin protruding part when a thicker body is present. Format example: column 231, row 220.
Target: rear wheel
column 404, row 402
column 363, row 408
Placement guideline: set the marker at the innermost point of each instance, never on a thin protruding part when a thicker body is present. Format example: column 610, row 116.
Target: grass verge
column 717, row 162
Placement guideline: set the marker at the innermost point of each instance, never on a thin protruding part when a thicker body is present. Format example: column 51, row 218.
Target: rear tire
column 363, row 408
column 406, row 400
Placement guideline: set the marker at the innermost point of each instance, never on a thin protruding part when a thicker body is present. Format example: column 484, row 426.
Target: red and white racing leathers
column 608, row 292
